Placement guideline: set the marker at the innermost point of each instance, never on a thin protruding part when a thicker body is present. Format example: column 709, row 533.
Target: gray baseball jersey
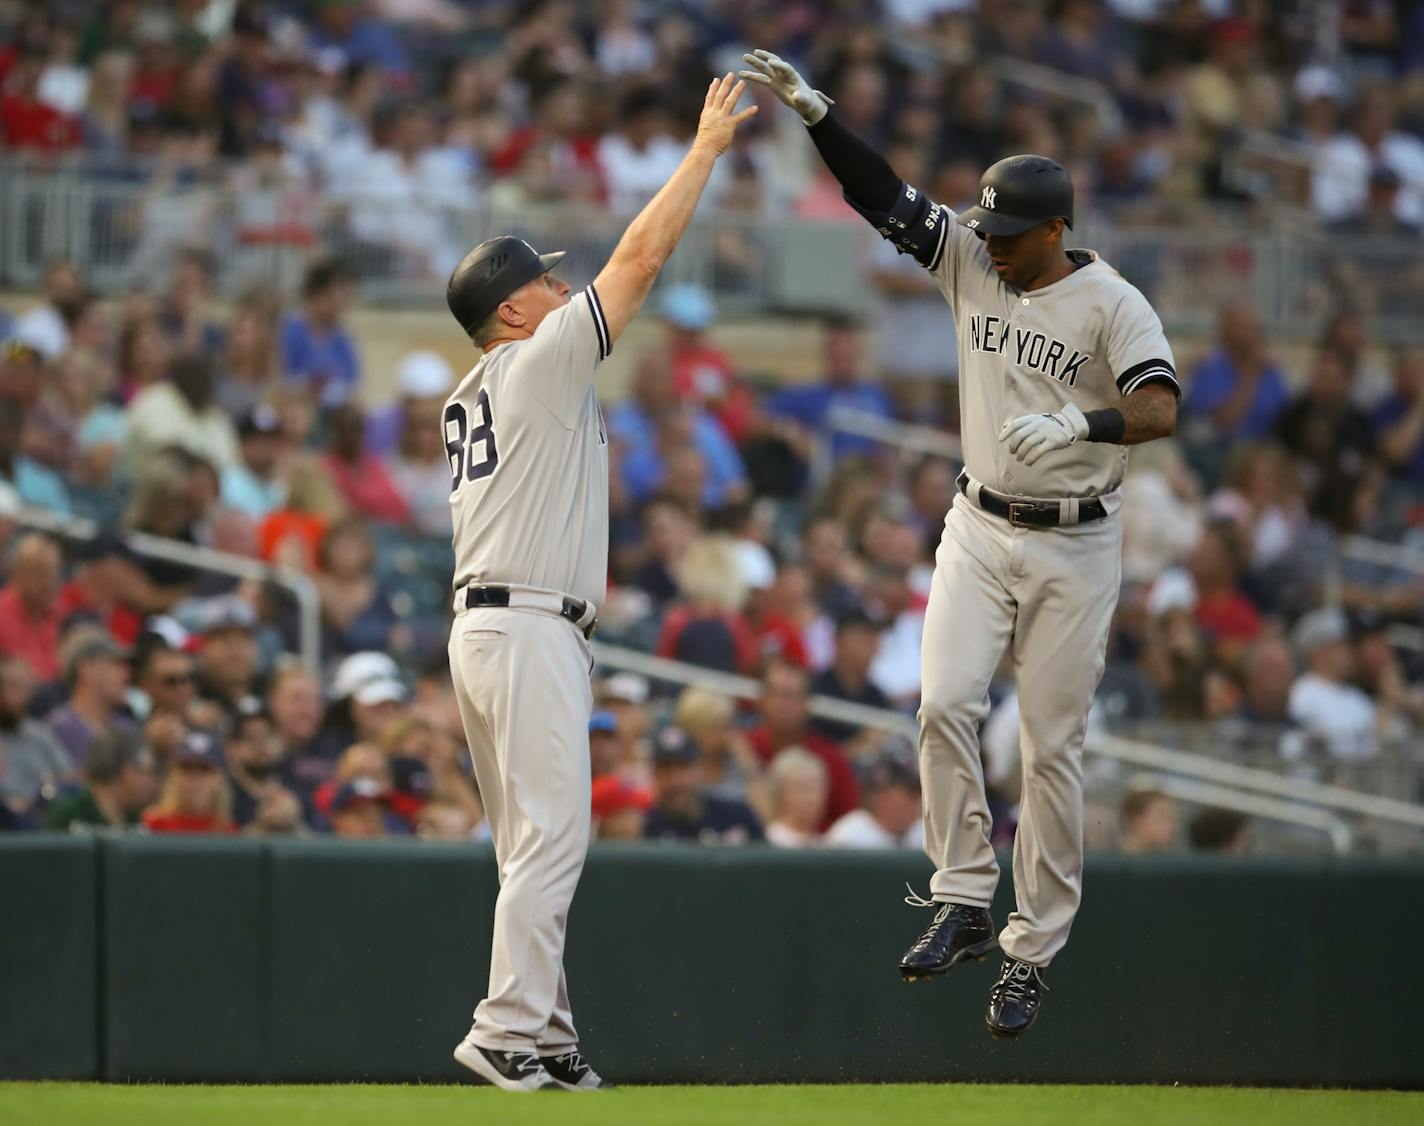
column 1088, row 339
column 528, row 457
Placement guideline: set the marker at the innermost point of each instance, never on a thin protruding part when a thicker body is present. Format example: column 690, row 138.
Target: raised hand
column 719, row 121
column 775, row 72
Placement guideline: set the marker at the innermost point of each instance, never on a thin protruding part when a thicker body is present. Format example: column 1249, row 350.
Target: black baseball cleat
column 1014, row 999
column 571, row 1072
column 509, row 1071
column 959, row 933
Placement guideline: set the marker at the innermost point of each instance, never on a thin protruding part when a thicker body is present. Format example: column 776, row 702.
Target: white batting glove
column 1030, row 436
column 774, row 71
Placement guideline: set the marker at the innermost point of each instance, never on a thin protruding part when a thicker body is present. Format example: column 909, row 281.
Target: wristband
column 1106, row 425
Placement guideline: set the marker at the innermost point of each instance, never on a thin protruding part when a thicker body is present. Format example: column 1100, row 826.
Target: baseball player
column 1062, row 364
column 529, row 491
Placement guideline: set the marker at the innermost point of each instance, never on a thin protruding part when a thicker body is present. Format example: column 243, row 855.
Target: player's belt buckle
column 1017, row 507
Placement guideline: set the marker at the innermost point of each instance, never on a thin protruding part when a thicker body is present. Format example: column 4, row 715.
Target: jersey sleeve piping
column 944, row 224
column 605, row 344
column 1149, row 371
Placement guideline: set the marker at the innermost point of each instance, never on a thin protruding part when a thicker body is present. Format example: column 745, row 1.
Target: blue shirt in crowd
column 810, row 406
column 325, row 359
column 643, row 465
column 39, row 486
column 1212, row 383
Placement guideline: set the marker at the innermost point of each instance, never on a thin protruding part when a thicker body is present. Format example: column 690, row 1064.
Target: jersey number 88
column 461, row 440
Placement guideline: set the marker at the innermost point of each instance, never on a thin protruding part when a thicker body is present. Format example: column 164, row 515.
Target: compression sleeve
column 865, row 175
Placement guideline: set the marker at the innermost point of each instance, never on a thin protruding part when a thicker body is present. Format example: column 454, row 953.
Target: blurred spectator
column 1161, row 511
column 891, row 818
column 292, row 534
column 421, row 469
column 1341, row 171
column 279, row 814
column 180, row 411
column 702, row 373
column 798, row 799
column 357, row 810
column 37, row 766
column 730, row 767
column 423, row 382
column 362, row 478
column 317, row 350
column 651, row 424
column 29, row 609
column 12, row 820
column 705, row 626
column 843, row 387
column 228, row 655
column 785, row 715
column 122, row 778
column 1399, row 419
column 618, row 809
column 668, row 533
column 603, row 754
column 45, row 328
column 248, row 370
column 848, row 677
column 34, row 484
column 253, row 757
column 1327, row 433
column 196, row 797
column 165, row 679
column 824, row 547
column 681, row 810
column 1260, row 492
column 640, row 154
column 1222, row 831
column 1238, row 387
column 356, row 611
column 97, row 673
column 1210, row 588
column 253, row 484
column 181, row 313
column 625, row 695
column 895, row 670
column 1335, row 715
column 143, row 355
column 1149, row 822
column 1270, row 671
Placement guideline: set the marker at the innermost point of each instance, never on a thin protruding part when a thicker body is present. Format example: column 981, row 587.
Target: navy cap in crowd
column 672, row 747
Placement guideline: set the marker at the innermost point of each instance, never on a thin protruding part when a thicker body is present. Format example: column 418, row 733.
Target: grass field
column 80, row 1104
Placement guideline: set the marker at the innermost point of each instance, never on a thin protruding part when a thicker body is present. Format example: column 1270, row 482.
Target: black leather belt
column 573, row 609
column 1031, row 513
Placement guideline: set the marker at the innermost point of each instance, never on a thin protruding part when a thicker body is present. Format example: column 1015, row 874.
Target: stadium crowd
column 748, row 535
column 376, row 121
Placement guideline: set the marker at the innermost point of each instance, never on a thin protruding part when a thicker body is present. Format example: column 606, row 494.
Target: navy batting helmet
column 1020, row 192
column 490, row 273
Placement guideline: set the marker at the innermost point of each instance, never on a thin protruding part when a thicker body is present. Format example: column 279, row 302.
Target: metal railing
column 299, row 585
column 1270, row 809
column 126, row 234
column 1319, row 805
column 907, row 437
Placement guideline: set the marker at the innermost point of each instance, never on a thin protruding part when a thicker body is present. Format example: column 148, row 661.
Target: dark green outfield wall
column 142, row 958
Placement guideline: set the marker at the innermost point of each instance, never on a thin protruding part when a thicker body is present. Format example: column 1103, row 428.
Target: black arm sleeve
column 865, row 175
column 903, row 215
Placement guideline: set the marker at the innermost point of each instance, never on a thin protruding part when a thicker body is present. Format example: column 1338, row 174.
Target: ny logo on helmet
column 987, row 197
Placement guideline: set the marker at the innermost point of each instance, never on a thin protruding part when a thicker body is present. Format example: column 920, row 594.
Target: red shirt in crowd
column 123, row 623
column 368, row 488
column 777, row 636
column 1228, row 617
column 844, row 793
column 678, row 618
column 157, row 822
column 33, row 640
column 29, row 124
column 703, row 374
